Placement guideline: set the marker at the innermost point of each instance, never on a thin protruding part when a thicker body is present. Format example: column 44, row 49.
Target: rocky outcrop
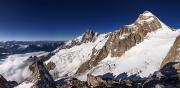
column 123, row 39
column 95, row 81
column 98, row 82
column 50, row 66
column 7, row 84
column 87, row 36
column 166, row 77
column 74, row 83
column 40, row 76
column 173, row 55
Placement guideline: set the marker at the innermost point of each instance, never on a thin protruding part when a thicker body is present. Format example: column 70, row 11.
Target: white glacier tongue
column 143, row 59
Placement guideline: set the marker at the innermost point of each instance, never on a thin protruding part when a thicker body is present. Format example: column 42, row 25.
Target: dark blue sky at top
column 66, row 19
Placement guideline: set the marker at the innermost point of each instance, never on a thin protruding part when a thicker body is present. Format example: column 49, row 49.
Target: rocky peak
column 87, row 36
column 40, row 76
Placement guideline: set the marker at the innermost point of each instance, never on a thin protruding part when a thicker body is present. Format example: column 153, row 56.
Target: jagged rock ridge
column 87, row 36
column 40, row 76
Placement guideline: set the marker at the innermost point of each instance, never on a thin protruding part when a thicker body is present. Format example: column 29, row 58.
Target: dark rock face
column 122, row 40
column 40, row 76
column 7, row 84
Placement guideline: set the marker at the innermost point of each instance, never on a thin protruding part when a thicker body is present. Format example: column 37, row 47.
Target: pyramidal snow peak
column 136, row 50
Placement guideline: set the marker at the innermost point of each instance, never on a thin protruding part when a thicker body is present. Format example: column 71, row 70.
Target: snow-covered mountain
column 133, row 51
column 138, row 48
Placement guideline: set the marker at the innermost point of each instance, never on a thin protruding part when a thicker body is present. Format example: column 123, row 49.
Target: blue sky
column 66, row 19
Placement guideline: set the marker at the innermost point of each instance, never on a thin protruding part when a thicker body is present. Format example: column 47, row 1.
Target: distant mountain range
column 20, row 47
column 144, row 54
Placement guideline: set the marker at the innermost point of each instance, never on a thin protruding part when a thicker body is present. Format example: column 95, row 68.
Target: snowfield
column 69, row 60
column 143, row 59
column 24, row 85
column 16, row 67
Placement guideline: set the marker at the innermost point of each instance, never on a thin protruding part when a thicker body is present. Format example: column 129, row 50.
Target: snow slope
column 142, row 59
column 24, row 85
column 69, row 60
column 15, row 67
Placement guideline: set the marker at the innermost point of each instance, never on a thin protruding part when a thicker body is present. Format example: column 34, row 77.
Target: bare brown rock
column 50, row 66
column 95, row 81
column 40, row 76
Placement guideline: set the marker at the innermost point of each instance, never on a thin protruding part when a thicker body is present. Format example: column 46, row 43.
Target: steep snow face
column 142, row 59
column 15, row 67
column 68, row 60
